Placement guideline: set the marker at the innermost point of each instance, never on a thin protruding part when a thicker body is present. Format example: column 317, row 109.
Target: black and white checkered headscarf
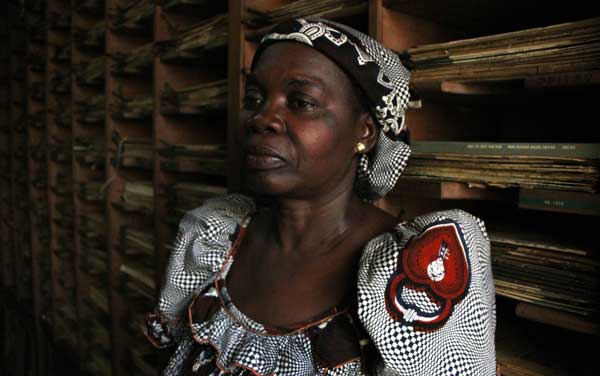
column 382, row 78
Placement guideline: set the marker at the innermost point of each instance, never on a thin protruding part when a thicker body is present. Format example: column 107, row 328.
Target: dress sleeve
column 202, row 242
column 426, row 297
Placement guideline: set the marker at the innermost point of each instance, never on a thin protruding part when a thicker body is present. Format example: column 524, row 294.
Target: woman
column 306, row 277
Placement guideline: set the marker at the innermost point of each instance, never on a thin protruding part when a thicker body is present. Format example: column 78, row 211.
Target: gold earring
column 360, row 147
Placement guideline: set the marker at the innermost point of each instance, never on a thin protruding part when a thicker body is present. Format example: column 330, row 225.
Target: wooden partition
column 129, row 164
column 88, row 59
column 14, row 99
column 60, row 175
column 4, row 145
column 5, row 243
column 36, row 61
column 19, row 96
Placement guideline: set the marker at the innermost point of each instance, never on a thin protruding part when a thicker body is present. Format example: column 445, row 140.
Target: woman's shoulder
column 462, row 221
column 441, row 235
column 204, row 237
column 218, row 210
column 426, row 295
column 459, row 217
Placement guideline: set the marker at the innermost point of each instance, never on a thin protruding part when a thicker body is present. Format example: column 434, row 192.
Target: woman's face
column 301, row 124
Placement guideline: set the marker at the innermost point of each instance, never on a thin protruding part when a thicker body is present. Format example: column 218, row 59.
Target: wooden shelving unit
column 5, row 244
column 14, row 109
column 36, row 60
column 60, row 176
column 20, row 95
column 507, row 107
column 190, row 120
column 88, row 59
column 15, row 229
column 129, row 158
column 117, row 116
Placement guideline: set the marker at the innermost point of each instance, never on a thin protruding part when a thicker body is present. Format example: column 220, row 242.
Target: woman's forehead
column 301, row 62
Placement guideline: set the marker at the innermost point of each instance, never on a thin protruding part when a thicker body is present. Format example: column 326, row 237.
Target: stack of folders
column 545, row 269
column 90, row 73
column 137, row 269
column 90, row 38
column 60, row 83
column 64, row 322
column 90, row 191
column 263, row 20
column 92, row 231
column 133, row 153
column 59, row 152
column 136, row 108
column 207, row 159
column 565, row 54
column 559, row 166
column 60, row 53
column 195, row 100
column 90, row 152
column 138, row 196
column 99, row 298
column 134, row 17
column 194, row 42
column 90, row 111
column 133, row 63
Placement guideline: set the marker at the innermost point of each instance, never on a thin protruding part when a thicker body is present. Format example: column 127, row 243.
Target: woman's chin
column 263, row 183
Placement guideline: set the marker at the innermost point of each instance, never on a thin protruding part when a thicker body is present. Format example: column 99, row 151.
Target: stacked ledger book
column 195, row 100
column 135, row 62
column 137, row 197
column 133, row 152
column 134, row 17
column 137, row 249
column 545, row 269
column 560, row 166
column 136, row 108
column 194, row 42
column 207, row 159
column 558, row 55
column 262, row 20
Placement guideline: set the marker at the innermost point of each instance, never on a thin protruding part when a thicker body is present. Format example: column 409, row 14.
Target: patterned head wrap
column 382, row 78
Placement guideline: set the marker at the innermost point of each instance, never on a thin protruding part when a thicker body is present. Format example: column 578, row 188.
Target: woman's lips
column 262, row 157
column 263, row 162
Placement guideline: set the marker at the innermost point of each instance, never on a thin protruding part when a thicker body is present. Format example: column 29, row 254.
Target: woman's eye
column 252, row 102
column 301, row 104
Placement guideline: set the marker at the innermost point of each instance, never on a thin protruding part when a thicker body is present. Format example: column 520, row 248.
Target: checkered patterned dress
column 425, row 305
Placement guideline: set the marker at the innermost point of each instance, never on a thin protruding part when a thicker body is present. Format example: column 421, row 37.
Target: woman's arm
column 426, row 297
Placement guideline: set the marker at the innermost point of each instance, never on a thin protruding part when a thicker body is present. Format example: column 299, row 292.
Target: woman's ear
column 368, row 131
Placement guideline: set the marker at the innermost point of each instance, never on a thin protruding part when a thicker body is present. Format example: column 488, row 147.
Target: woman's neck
column 308, row 225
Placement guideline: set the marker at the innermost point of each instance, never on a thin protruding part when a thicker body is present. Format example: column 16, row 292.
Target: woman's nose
column 267, row 119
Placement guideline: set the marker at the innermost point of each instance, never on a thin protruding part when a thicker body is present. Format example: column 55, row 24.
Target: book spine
column 564, row 150
column 560, row 201
column 561, row 80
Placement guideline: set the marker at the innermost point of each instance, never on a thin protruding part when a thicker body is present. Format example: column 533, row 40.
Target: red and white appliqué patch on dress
column 434, row 267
